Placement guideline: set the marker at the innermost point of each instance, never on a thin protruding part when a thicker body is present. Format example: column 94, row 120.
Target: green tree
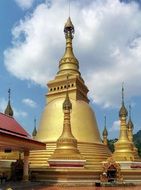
column 111, row 144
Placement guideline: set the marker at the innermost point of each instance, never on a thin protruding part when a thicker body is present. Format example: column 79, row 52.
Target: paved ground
column 84, row 188
column 37, row 186
column 87, row 188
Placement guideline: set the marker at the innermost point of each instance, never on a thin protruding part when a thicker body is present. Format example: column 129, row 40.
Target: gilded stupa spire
column 9, row 110
column 66, row 147
column 69, row 63
column 105, row 132
column 67, row 107
column 123, row 145
column 123, row 110
column 67, row 133
column 34, row 133
column 122, row 115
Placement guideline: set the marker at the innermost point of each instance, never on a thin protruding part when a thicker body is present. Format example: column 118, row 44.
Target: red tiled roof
column 17, row 142
column 9, row 124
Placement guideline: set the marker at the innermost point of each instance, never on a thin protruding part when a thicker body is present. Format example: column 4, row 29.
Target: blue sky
column 107, row 43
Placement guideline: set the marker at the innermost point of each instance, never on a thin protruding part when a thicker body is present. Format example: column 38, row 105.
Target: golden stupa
column 83, row 121
column 123, row 147
column 75, row 153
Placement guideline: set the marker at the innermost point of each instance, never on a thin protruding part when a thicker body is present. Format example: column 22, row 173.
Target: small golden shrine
column 111, row 171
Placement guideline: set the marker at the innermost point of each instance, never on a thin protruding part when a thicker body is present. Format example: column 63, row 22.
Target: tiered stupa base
column 93, row 153
column 131, row 171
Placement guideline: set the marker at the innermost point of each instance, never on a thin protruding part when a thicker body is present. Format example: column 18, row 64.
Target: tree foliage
column 111, row 144
column 137, row 141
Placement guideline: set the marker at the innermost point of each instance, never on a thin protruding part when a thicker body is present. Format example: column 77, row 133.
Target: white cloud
column 29, row 102
column 24, row 4
column 107, row 44
column 19, row 113
column 115, row 126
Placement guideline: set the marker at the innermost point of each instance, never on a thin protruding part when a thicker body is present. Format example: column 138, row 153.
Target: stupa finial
column 34, row 133
column 105, row 132
column 9, row 94
column 69, row 63
column 9, row 110
column 105, row 120
column 69, row 29
column 130, row 123
column 123, row 110
column 122, row 93
column 129, row 111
